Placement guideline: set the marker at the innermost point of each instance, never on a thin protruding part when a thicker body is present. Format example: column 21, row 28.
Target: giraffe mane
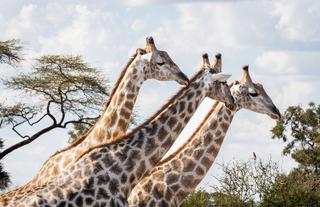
column 116, row 85
column 123, row 72
column 124, row 137
column 172, row 155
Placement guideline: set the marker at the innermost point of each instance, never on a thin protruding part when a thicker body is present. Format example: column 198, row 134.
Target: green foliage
column 10, row 52
column 242, row 182
column 16, row 113
column 63, row 80
column 4, row 178
column 225, row 200
column 78, row 130
column 300, row 129
column 298, row 189
column 199, row 198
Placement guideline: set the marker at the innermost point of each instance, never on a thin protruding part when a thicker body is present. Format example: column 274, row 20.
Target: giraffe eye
column 212, row 71
column 162, row 63
column 254, row 94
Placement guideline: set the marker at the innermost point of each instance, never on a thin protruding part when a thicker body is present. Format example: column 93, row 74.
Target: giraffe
column 148, row 63
column 176, row 176
column 105, row 175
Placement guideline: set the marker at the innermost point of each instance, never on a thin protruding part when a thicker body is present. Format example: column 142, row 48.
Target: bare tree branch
column 26, row 141
column 16, row 131
column 81, row 120
column 36, row 122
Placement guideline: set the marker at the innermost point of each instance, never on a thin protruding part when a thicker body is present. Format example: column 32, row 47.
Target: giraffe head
column 217, row 82
column 161, row 66
column 252, row 96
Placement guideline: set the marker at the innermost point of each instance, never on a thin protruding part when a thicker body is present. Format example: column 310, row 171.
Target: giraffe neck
column 114, row 168
column 199, row 154
column 180, row 173
column 116, row 118
column 138, row 152
column 149, row 143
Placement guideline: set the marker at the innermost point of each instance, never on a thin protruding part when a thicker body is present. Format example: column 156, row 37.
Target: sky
column 279, row 39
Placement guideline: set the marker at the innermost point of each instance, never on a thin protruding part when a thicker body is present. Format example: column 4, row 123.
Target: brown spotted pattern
column 183, row 170
column 105, row 175
column 148, row 63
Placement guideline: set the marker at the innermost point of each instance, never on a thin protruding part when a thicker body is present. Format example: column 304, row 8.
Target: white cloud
column 290, row 76
column 297, row 19
column 275, row 63
column 25, row 162
column 297, row 92
column 147, row 2
column 137, row 25
column 135, row 2
column 199, row 27
column 80, row 35
column 23, row 23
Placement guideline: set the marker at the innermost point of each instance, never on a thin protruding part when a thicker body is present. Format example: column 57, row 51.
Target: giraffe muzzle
column 183, row 79
column 275, row 113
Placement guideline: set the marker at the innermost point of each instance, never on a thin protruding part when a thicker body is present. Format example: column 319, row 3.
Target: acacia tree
column 300, row 129
column 244, row 183
column 10, row 52
column 198, row 198
column 297, row 189
column 65, row 91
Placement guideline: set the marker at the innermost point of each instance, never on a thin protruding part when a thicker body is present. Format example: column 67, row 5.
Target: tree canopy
column 243, row 183
column 300, row 129
column 198, row 198
column 10, row 52
column 65, row 90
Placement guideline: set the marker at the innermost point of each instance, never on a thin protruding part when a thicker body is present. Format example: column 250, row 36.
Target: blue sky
column 279, row 40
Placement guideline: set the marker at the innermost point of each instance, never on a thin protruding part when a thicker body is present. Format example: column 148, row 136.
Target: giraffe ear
column 146, row 57
column 141, row 51
column 252, row 92
column 221, row 77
